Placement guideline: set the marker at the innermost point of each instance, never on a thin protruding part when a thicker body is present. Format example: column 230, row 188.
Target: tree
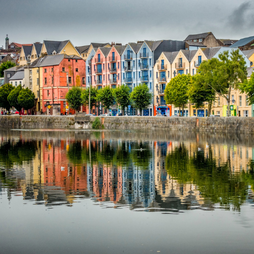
column 4, row 93
column 248, row 88
column 4, row 66
column 106, row 96
column 122, row 95
column 199, row 92
column 141, row 97
column 26, row 99
column 13, row 98
column 225, row 74
column 176, row 91
column 74, row 98
column 93, row 96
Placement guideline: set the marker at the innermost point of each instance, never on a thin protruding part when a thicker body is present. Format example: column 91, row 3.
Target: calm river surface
column 125, row 192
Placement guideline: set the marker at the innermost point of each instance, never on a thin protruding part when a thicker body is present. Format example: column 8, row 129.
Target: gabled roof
column 38, row 47
column 56, row 46
column 153, row 44
column 227, row 42
column 120, row 49
column 27, row 50
column 211, row 52
column 170, row 56
column 197, row 44
column 197, row 36
column 20, row 45
column 19, row 75
column 98, row 45
column 248, row 53
column 242, row 42
column 82, row 49
column 104, row 51
column 135, row 46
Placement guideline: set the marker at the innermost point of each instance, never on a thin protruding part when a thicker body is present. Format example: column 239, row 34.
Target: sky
column 123, row 21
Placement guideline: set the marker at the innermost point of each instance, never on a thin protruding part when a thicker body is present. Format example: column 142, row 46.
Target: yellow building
column 85, row 50
column 58, row 47
column 25, row 55
column 250, row 55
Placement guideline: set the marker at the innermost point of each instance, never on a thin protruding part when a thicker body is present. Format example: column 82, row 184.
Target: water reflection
column 165, row 176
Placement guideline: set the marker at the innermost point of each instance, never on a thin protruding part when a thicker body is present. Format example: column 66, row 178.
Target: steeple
column 6, row 42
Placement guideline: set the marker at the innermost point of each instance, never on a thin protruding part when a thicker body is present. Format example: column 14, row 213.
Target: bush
column 97, row 123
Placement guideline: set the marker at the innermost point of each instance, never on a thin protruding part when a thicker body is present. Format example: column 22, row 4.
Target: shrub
column 97, row 123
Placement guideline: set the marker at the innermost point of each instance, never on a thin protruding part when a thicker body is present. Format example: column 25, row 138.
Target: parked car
column 214, row 115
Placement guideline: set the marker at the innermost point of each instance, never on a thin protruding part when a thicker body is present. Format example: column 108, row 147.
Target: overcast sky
column 85, row 21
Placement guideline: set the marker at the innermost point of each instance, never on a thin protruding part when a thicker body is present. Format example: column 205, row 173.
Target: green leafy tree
column 73, row 98
column 106, row 96
column 248, row 88
column 5, row 66
column 93, row 96
column 4, row 93
column 199, row 92
column 13, row 98
column 176, row 91
column 122, row 95
column 141, row 97
column 26, row 99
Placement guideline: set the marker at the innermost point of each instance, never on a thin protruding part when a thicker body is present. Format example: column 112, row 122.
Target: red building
column 59, row 74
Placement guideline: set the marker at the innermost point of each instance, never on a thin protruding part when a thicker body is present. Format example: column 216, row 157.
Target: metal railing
column 161, row 67
column 180, row 65
column 144, row 55
column 128, row 80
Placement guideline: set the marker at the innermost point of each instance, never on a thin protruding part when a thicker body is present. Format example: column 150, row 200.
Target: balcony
column 112, row 70
column 128, row 57
column 113, row 80
column 128, row 68
column 144, row 55
column 145, row 79
column 144, row 66
column 98, row 71
column 161, row 91
column 180, row 66
column 161, row 80
column 128, row 80
column 97, row 60
column 197, row 64
column 98, row 82
column 112, row 59
column 161, row 67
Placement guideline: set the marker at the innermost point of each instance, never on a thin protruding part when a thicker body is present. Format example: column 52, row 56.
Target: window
column 123, row 76
column 103, row 66
column 45, row 81
column 69, row 80
column 104, row 77
column 193, row 71
column 150, row 85
column 45, row 70
column 8, row 75
column 76, row 69
column 150, row 74
column 139, row 74
column 69, row 60
column 133, row 64
column 83, row 81
column 76, row 61
column 118, row 76
column 38, row 83
column 200, row 40
column 133, row 74
column 246, row 101
column 52, row 80
column 240, row 100
column 47, row 92
column 15, row 83
column 150, row 61
column 156, row 74
column 38, row 94
column 186, row 71
column 218, row 101
column 168, row 74
column 251, row 63
column 52, row 69
column 63, row 69
column 233, row 98
column 118, row 65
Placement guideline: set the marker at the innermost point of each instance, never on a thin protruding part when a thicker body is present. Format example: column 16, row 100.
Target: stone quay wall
column 194, row 124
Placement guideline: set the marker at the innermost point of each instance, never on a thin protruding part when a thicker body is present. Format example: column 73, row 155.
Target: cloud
column 241, row 18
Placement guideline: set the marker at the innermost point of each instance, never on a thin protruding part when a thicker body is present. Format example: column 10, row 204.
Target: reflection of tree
column 140, row 155
column 17, row 153
column 110, row 153
column 215, row 183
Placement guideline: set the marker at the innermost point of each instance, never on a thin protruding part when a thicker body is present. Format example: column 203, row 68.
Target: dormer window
column 54, row 52
column 195, row 40
column 200, row 40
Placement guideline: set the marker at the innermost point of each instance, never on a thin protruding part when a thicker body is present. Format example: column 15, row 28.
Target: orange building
column 59, row 73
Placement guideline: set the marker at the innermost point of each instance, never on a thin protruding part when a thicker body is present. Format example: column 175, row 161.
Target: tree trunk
column 209, row 107
column 228, row 100
column 183, row 110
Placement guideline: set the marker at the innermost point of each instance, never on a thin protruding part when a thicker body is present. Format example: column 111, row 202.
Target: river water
column 125, row 192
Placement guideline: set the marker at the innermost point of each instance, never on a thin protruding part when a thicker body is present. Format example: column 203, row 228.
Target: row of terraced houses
column 51, row 68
